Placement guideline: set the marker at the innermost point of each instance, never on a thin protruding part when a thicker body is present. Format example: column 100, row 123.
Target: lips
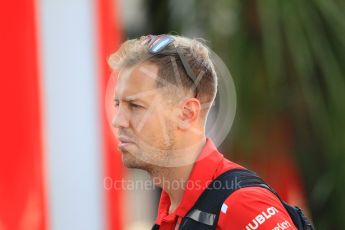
column 123, row 139
column 124, row 142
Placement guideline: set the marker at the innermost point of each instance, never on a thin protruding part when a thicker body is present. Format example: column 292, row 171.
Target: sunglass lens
column 160, row 43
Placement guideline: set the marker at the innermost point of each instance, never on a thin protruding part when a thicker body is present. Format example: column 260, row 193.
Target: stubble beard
column 149, row 158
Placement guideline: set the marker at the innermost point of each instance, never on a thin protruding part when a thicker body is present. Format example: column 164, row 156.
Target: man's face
column 143, row 118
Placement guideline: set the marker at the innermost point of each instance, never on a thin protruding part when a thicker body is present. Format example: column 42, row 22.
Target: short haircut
column 135, row 51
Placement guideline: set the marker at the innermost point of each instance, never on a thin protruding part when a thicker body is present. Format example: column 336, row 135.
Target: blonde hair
column 135, row 51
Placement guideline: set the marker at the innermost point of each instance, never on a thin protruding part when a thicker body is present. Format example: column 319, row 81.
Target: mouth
column 124, row 142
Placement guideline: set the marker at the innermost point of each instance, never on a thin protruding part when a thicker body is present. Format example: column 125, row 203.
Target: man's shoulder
column 254, row 208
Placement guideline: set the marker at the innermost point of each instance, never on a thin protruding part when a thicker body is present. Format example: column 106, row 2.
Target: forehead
column 138, row 82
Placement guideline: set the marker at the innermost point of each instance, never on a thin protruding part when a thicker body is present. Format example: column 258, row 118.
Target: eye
column 135, row 106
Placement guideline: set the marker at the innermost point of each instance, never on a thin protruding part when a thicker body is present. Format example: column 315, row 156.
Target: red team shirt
column 247, row 208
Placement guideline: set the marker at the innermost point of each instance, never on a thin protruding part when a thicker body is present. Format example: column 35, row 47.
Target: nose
column 120, row 119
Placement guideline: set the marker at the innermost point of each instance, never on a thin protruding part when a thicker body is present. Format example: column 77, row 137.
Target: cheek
column 154, row 128
column 145, row 123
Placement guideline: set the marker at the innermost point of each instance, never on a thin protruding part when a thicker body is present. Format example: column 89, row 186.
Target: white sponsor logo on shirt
column 261, row 218
column 224, row 208
column 282, row 226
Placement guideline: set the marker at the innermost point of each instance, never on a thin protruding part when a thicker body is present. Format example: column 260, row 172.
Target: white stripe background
column 67, row 31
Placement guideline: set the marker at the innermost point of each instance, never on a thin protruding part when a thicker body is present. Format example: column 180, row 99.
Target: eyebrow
column 130, row 99
column 137, row 96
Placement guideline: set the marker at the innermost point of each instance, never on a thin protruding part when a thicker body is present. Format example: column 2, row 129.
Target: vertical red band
column 21, row 172
column 109, row 38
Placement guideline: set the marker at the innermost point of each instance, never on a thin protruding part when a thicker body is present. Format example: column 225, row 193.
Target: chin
column 130, row 161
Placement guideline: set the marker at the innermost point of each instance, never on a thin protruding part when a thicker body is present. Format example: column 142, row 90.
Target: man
column 165, row 88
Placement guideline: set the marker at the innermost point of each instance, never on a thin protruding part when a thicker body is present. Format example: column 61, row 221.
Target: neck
column 173, row 179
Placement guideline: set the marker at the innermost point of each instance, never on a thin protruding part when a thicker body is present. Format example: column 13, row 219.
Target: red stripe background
column 109, row 39
column 22, row 204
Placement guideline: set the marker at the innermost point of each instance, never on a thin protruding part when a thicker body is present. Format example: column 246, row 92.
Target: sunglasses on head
column 157, row 43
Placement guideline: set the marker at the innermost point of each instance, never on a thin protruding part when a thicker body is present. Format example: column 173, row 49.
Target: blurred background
column 58, row 159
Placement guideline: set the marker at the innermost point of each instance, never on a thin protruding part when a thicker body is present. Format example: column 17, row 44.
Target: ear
column 190, row 112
